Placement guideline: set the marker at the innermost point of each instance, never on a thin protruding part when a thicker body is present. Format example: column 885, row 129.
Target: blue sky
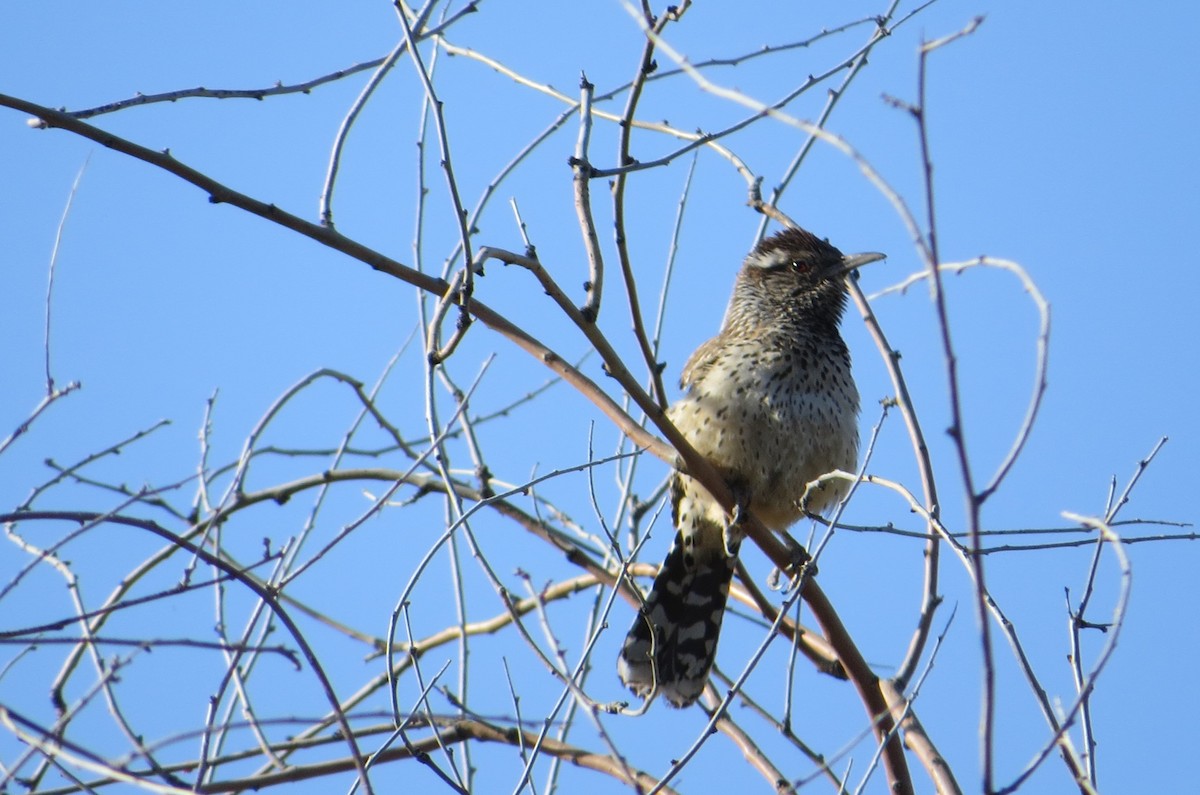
column 1062, row 137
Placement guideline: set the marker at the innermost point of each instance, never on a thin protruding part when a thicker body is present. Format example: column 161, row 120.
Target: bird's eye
column 799, row 267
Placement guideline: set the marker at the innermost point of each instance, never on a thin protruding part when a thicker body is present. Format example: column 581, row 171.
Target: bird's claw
column 733, row 529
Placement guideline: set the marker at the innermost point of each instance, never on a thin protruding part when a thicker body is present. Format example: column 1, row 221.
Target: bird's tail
column 673, row 640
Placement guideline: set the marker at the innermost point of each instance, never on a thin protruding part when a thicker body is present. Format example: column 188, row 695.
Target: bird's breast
column 775, row 420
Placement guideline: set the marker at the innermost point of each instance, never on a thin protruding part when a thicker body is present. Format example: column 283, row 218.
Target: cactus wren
column 770, row 401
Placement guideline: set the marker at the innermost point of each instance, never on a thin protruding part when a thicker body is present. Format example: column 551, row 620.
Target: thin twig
column 268, row 597
column 645, row 67
column 930, row 598
column 857, row 61
column 279, row 89
column 1113, row 634
column 325, row 203
column 581, row 170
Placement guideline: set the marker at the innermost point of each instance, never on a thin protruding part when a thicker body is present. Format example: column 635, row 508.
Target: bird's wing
column 699, row 363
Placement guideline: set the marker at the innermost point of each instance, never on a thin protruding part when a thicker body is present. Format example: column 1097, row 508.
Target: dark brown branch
column 449, row 732
column 260, row 94
column 687, row 460
column 221, row 194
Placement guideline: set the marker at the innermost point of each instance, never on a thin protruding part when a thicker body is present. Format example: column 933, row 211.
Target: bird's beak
column 852, row 261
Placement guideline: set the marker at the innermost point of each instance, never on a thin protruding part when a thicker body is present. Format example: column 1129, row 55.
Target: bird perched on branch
column 771, row 403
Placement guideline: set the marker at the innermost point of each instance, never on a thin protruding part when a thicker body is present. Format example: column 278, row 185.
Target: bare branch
column 582, row 169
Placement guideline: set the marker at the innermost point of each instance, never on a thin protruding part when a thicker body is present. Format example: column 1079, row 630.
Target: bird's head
column 793, row 273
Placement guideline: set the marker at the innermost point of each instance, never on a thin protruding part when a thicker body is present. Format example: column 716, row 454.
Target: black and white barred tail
column 684, row 611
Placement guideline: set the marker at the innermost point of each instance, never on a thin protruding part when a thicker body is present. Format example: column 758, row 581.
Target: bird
column 770, row 401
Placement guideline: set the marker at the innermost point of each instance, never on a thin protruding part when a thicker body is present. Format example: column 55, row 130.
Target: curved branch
column 221, row 194
column 268, row 597
column 683, row 456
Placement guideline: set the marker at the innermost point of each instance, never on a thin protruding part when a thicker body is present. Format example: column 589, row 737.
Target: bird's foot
column 801, row 562
column 734, row 528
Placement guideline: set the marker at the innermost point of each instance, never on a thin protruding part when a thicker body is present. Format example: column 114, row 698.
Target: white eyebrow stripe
column 769, row 259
